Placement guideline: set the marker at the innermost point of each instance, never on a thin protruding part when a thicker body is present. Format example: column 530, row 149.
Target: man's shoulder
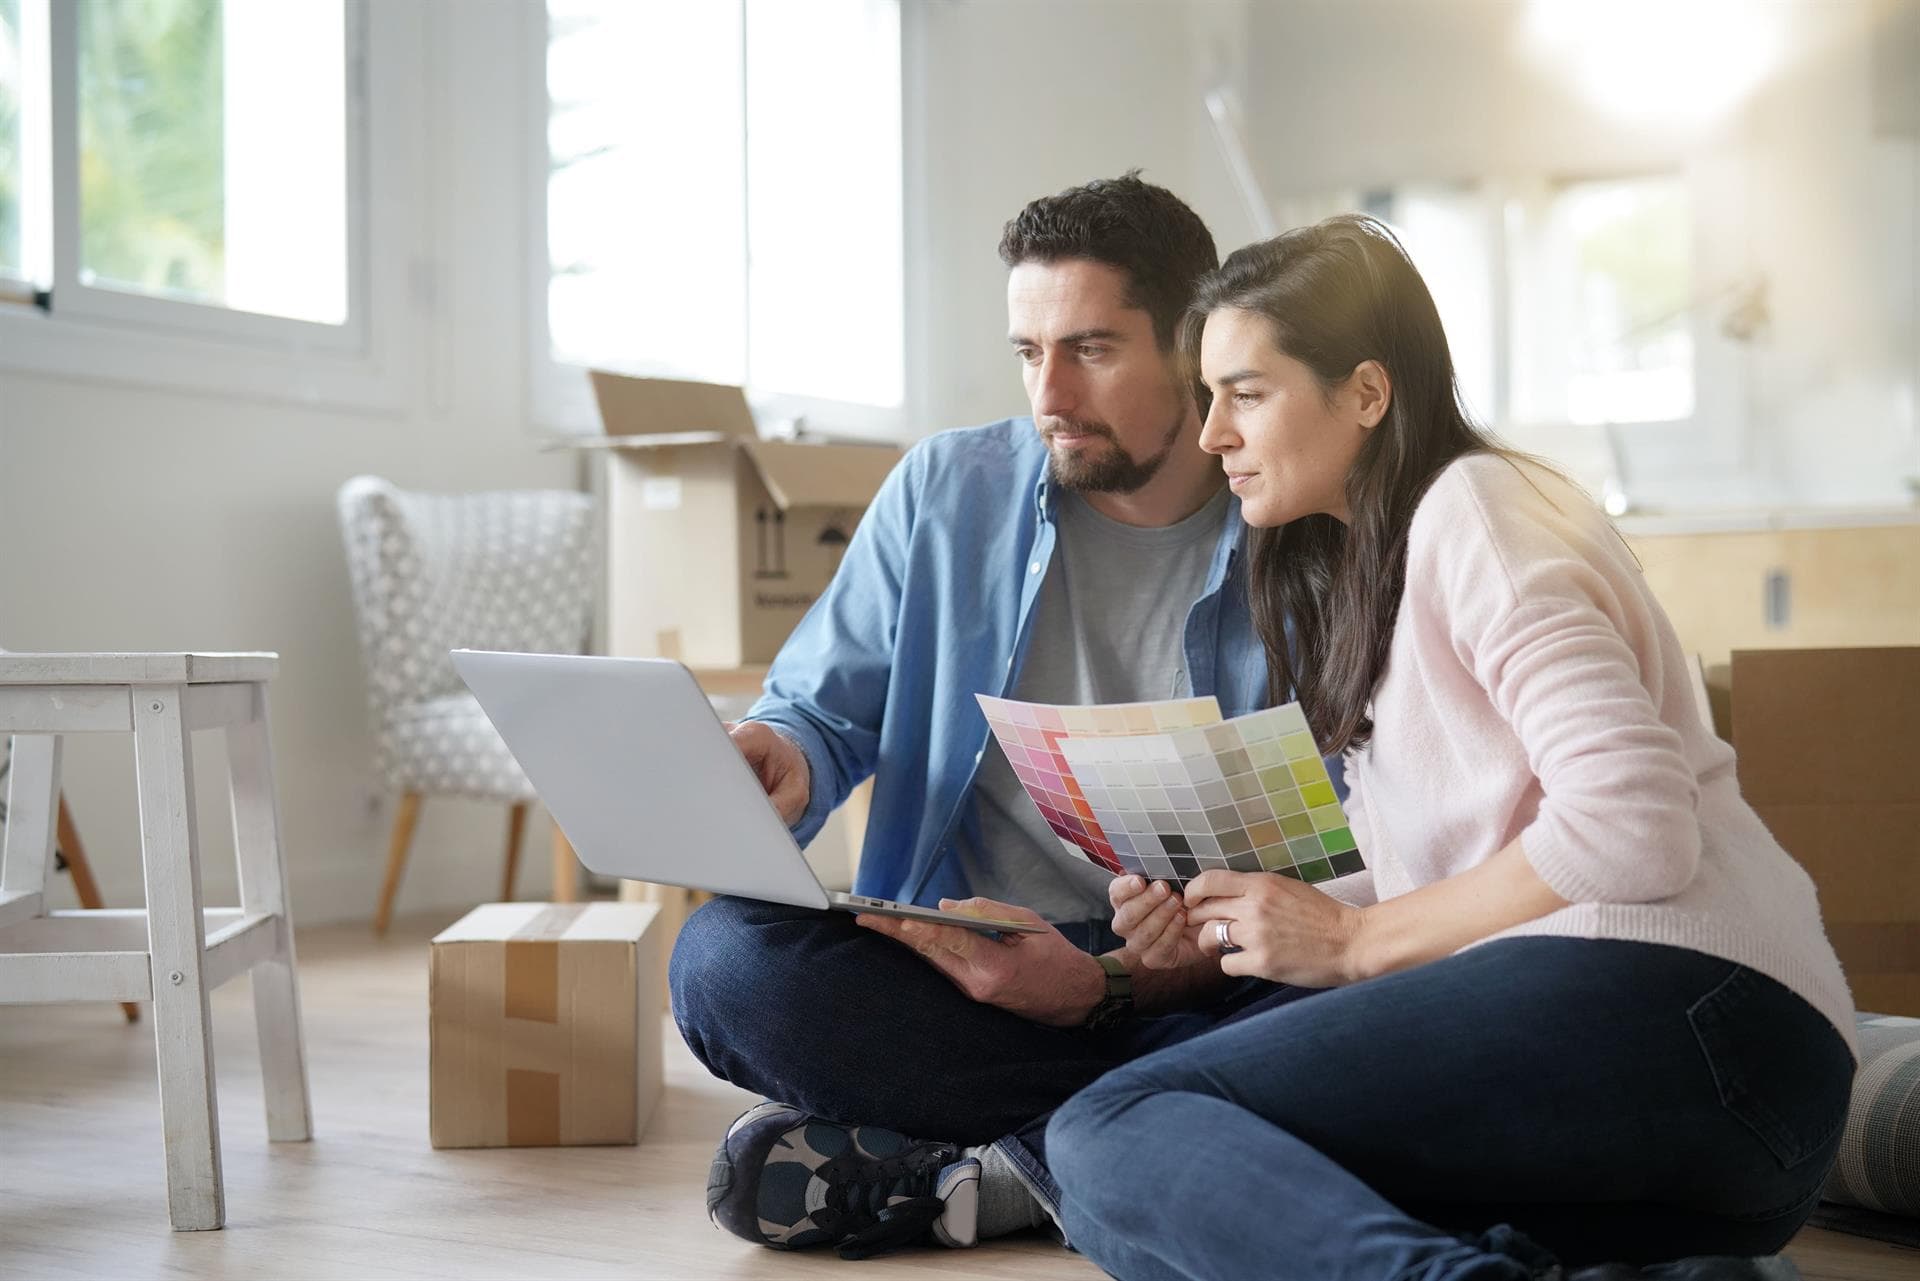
column 1001, row 458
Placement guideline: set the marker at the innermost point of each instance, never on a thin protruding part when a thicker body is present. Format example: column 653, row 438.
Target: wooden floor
column 82, row 1188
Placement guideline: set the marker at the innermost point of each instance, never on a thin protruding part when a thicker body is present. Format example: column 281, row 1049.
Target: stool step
column 36, row 978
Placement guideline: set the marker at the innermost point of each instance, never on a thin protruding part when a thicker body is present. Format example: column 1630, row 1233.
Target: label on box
column 660, row 493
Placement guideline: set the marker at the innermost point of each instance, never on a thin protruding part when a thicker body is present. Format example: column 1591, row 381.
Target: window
column 1566, row 304
column 723, row 200
column 1604, row 330
column 14, row 165
column 181, row 164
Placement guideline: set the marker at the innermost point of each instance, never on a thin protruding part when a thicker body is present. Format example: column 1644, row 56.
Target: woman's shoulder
column 1496, row 492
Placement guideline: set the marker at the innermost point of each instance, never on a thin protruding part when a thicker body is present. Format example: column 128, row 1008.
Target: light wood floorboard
column 82, row 1186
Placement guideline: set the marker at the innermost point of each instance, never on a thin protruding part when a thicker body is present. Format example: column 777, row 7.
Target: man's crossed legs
column 862, row 1042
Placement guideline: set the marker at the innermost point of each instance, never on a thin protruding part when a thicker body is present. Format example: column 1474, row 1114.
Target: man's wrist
column 1102, row 998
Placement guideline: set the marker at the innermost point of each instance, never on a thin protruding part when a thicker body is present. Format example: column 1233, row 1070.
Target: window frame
column 122, row 336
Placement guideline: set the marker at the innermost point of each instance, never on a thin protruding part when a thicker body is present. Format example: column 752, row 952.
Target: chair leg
column 516, row 824
column 176, row 939
column 566, row 868
column 403, row 821
column 83, row 883
column 263, row 891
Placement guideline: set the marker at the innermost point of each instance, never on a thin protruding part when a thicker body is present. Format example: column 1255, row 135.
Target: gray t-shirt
column 1107, row 628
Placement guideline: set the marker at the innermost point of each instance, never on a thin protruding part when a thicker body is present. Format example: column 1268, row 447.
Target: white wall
column 1022, row 98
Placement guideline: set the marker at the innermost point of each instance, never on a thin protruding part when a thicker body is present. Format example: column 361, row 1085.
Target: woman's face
column 1286, row 443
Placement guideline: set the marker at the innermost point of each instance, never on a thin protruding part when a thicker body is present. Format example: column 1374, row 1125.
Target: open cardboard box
column 718, row 541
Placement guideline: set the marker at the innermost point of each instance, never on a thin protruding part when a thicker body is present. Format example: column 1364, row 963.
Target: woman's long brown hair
column 1325, row 595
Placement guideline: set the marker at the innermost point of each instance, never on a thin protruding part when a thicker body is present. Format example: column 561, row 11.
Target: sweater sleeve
column 1541, row 603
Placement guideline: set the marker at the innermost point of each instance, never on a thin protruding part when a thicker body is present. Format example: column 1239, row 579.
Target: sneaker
column 788, row 1180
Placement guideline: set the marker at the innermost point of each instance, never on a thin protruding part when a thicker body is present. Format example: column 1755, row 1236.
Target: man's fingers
column 1122, row 890
column 1132, row 911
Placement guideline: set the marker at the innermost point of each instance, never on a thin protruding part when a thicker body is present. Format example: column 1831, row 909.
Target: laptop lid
column 639, row 773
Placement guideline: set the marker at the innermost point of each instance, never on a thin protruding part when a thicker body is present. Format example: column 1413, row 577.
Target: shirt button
column 1034, row 568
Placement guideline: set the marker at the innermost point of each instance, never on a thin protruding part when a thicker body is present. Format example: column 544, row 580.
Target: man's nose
column 1053, row 390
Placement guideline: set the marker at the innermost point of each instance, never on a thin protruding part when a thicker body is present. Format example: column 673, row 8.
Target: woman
column 1581, row 1006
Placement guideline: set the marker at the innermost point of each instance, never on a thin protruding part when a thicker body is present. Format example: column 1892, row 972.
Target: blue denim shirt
column 932, row 604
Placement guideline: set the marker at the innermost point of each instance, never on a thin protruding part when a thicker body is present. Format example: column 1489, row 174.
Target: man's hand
column 778, row 764
column 1151, row 920
column 1041, row 977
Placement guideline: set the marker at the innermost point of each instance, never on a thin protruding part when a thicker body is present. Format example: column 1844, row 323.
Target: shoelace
column 902, row 1222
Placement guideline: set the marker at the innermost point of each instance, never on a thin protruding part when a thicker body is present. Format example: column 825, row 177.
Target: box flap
column 1827, row 726
column 562, row 922
column 803, row 475
column 646, row 407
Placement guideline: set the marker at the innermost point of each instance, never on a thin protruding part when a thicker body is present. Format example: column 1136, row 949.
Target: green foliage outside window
column 152, row 154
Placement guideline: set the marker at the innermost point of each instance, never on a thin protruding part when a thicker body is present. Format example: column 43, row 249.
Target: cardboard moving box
column 718, row 541
column 546, row 1024
column 1828, row 742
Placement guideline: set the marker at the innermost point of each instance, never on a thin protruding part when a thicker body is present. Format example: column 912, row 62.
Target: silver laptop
column 646, row 783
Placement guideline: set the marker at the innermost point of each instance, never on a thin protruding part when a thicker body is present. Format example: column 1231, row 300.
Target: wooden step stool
column 174, row 951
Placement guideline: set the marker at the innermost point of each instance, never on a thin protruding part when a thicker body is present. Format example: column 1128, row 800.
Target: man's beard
column 1113, row 470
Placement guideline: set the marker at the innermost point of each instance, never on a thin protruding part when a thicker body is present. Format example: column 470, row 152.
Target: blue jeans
column 808, row 1008
column 1472, row 1118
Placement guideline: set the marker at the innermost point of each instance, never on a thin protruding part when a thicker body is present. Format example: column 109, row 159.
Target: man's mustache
column 1075, row 427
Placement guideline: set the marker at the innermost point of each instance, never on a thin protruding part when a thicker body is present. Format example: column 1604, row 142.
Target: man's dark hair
column 1145, row 232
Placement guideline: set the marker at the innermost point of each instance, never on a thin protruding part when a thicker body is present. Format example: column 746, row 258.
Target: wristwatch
column 1117, row 1004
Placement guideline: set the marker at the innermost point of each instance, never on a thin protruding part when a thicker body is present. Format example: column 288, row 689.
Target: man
column 1089, row 555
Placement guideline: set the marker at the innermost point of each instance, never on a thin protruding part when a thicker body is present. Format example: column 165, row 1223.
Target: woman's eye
column 1245, row 399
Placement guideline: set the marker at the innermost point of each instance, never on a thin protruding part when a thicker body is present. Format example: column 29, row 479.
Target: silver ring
column 1227, row 945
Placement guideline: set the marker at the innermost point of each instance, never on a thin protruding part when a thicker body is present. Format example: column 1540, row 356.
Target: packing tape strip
column 531, row 990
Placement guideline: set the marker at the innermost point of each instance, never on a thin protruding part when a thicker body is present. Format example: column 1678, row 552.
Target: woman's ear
column 1371, row 388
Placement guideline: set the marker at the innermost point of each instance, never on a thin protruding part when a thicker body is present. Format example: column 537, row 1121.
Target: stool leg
column 177, row 940
column 83, row 885
column 33, row 788
column 263, row 890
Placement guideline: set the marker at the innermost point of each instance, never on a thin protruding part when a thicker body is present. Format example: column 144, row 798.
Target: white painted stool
column 174, row 951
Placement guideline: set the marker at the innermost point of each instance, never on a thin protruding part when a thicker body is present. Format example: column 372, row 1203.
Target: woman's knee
column 1089, row 1138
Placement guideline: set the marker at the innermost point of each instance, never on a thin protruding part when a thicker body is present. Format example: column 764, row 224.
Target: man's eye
column 1092, row 353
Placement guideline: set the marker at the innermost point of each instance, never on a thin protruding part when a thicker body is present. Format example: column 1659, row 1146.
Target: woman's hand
column 1151, row 920
column 1287, row 932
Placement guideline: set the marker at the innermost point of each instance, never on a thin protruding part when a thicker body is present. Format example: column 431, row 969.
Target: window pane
column 646, row 194
column 213, row 153
column 1612, row 296
column 825, row 308
column 1446, row 230
column 12, row 164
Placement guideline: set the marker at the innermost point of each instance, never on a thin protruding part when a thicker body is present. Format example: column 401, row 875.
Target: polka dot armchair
column 434, row 572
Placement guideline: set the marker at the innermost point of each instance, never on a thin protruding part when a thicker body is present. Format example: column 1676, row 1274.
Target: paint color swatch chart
column 1168, row 790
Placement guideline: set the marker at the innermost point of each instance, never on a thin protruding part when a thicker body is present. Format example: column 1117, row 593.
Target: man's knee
column 722, row 951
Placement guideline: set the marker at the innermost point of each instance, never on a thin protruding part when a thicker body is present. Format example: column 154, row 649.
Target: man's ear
column 1371, row 389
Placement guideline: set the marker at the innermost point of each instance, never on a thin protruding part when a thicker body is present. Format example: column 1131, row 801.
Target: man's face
column 1105, row 396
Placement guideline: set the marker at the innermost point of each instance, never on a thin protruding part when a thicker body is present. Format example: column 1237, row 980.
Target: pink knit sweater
column 1536, row 689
